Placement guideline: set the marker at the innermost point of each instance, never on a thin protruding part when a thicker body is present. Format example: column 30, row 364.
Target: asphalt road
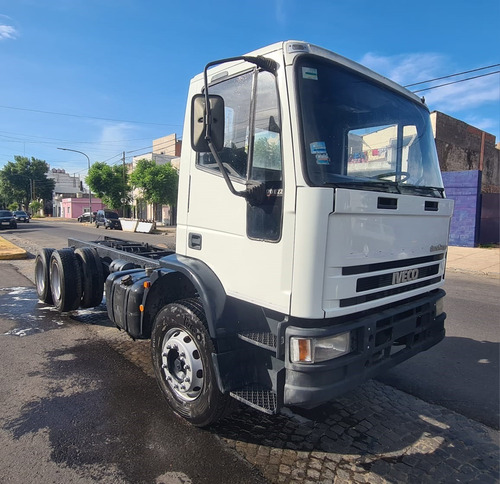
column 75, row 411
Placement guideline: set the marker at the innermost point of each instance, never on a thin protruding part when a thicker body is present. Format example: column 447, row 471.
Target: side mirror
column 199, row 120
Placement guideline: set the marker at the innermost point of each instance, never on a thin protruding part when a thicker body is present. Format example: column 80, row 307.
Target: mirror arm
column 223, row 170
column 254, row 193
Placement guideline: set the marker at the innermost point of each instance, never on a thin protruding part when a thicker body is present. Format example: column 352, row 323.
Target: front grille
column 382, row 280
column 353, row 301
column 382, row 266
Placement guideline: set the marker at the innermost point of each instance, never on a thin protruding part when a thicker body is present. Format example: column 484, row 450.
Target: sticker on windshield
column 310, row 73
column 318, row 148
column 322, row 159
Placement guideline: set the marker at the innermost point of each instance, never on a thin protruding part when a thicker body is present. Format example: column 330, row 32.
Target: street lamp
column 90, row 190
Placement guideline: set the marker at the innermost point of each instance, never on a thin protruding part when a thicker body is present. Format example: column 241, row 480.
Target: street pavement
column 374, row 434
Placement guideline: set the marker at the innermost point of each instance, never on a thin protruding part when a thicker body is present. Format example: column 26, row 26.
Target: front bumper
column 379, row 342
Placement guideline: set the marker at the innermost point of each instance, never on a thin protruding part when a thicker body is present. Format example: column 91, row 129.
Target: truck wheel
column 65, row 280
column 92, row 277
column 181, row 349
column 42, row 275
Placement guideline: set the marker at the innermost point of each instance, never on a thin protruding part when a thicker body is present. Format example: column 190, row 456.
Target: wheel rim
column 55, row 281
column 40, row 277
column 182, row 365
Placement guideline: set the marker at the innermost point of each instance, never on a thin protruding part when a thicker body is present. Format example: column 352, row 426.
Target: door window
column 252, row 146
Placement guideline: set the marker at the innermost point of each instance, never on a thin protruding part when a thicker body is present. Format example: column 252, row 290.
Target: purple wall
column 465, row 188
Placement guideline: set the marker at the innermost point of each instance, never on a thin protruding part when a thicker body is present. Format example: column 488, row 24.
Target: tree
column 109, row 183
column 35, row 207
column 24, row 180
column 159, row 183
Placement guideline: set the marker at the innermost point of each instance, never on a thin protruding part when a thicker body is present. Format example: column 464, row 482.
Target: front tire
column 181, row 350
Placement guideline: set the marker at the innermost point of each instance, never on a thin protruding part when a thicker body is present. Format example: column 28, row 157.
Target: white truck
column 311, row 239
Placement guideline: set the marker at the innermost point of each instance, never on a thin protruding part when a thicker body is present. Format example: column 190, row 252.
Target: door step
column 257, row 397
column 264, row 340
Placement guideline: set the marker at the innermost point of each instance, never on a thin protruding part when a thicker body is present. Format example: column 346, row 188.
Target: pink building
column 74, row 207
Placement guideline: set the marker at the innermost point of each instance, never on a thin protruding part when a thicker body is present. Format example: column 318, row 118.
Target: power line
column 456, row 82
column 452, row 75
column 87, row 117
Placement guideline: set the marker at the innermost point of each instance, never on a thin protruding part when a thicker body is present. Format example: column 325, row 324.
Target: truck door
column 243, row 243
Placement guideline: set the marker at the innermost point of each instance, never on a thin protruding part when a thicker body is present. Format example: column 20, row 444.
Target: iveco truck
column 312, row 232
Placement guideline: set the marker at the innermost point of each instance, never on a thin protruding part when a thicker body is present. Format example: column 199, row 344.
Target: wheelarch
column 180, row 278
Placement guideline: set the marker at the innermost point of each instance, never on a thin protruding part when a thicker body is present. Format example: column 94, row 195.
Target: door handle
column 195, row 241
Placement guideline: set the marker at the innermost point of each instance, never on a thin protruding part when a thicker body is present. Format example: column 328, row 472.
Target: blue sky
column 117, row 71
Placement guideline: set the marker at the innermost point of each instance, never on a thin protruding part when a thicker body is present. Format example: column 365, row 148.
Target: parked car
column 21, row 216
column 85, row 217
column 109, row 219
column 7, row 219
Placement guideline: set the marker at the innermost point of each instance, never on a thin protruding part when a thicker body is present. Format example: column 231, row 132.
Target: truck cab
column 342, row 256
column 312, row 232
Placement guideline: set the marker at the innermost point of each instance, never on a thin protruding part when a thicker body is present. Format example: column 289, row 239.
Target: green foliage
column 110, row 183
column 35, row 207
column 267, row 154
column 13, row 207
column 25, row 179
column 159, row 183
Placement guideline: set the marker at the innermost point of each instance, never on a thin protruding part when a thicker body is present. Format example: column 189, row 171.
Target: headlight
column 440, row 306
column 316, row 350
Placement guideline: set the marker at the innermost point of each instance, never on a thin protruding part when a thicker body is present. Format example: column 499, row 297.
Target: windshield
column 111, row 215
column 5, row 213
column 360, row 134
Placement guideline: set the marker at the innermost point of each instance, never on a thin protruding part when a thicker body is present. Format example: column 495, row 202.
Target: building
column 463, row 147
column 74, row 207
column 66, row 186
column 469, row 159
column 165, row 150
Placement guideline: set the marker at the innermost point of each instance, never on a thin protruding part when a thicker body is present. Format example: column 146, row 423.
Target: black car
column 21, row 216
column 109, row 219
column 7, row 219
column 85, row 217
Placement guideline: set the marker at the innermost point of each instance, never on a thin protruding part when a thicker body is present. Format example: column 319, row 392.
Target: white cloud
column 471, row 101
column 465, row 95
column 8, row 32
column 119, row 132
column 406, row 68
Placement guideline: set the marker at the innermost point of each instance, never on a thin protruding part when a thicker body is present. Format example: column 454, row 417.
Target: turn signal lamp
column 316, row 350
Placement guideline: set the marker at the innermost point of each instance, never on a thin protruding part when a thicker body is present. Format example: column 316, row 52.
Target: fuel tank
column 124, row 296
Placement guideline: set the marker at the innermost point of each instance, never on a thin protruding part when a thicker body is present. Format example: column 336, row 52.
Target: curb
column 9, row 251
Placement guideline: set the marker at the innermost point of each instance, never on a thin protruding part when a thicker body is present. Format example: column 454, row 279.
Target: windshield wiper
column 428, row 190
column 390, row 187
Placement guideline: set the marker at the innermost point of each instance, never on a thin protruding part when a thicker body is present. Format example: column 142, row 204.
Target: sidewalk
column 474, row 259
column 9, row 251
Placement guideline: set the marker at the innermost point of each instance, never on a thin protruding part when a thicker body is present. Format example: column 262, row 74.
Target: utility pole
column 124, row 186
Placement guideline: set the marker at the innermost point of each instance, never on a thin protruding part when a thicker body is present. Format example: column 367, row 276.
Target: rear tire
column 42, row 275
column 65, row 280
column 181, row 349
column 92, row 277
